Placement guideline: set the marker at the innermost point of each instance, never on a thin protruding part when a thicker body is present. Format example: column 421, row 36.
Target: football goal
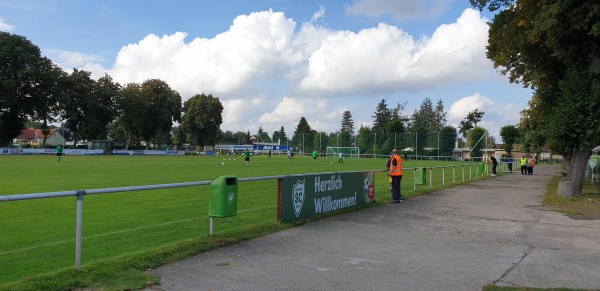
column 350, row 152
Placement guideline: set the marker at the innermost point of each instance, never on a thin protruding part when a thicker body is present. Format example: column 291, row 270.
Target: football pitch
column 37, row 237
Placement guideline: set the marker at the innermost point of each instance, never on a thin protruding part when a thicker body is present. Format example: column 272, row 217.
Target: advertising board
column 303, row 196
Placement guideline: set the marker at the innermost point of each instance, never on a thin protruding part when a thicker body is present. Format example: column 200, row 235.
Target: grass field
column 124, row 230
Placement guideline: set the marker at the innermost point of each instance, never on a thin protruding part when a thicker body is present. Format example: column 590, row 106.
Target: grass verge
column 585, row 207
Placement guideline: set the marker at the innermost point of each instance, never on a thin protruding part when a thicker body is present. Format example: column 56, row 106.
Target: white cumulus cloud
column 232, row 62
column 5, row 26
column 459, row 109
column 264, row 58
column 386, row 59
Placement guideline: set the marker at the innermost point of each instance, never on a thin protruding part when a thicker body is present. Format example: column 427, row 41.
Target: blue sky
column 271, row 62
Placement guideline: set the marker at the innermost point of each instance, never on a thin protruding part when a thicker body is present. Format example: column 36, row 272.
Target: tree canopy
column 27, row 82
column 509, row 134
column 202, row 119
column 552, row 47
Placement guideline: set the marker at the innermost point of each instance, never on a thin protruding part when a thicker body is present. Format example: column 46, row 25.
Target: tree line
column 34, row 88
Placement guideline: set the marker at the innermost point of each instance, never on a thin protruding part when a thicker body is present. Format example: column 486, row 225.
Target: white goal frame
column 350, row 152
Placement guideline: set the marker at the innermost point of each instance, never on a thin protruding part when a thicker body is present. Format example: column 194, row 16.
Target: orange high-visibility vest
column 396, row 170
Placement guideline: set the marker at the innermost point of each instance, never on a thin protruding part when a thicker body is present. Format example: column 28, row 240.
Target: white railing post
column 443, row 176
column 430, row 177
column 453, row 174
column 415, row 179
column 470, row 173
column 79, row 229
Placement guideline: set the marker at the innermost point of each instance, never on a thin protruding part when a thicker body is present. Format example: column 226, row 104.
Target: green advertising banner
column 303, row 196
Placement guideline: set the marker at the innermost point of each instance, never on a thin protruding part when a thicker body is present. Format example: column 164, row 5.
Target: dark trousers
column 523, row 170
column 396, row 180
column 494, row 165
column 529, row 170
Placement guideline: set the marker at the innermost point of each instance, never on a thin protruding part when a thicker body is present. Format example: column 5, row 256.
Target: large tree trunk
column 567, row 157
column 128, row 141
column 576, row 171
column 75, row 139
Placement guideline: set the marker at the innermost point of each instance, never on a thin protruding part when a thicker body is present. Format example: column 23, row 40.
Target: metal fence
column 460, row 173
column 434, row 143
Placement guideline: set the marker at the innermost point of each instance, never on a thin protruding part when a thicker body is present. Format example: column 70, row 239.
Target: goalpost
column 350, row 152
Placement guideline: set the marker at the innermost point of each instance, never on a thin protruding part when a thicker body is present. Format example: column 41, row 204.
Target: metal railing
column 80, row 193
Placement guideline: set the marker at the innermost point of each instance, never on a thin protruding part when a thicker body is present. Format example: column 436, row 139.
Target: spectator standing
column 523, row 165
column 396, row 174
column 530, row 165
column 494, row 165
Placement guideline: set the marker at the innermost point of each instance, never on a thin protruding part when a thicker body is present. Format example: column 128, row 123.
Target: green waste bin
column 421, row 176
column 480, row 168
column 223, row 197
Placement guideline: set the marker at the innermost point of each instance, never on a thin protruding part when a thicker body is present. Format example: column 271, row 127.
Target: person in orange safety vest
column 396, row 175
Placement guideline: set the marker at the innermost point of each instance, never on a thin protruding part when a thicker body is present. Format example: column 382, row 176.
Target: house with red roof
column 35, row 138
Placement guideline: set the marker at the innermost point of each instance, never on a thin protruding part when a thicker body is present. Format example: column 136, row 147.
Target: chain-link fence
column 419, row 146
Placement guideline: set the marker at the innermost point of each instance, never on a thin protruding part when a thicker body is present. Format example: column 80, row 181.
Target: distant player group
column 290, row 156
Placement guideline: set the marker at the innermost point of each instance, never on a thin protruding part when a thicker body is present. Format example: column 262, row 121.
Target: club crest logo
column 298, row 198
column 230, row 197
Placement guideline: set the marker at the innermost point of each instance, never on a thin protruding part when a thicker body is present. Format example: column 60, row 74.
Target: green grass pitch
column 38, row 236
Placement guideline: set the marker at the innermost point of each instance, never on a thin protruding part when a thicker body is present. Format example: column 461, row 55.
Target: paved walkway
column 491, row 231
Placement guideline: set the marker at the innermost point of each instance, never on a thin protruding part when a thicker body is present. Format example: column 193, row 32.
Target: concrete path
column 491, row 231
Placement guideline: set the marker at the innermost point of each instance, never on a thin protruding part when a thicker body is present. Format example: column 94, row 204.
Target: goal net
column 348, row 152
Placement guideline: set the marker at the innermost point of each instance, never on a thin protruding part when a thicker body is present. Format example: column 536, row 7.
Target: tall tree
column 78, row 104
column 365, row 140
column 439, row 116
column 476, row 141
column 347, row 123
column 381, row 117
column 280, row 137
column 552, row 47
column 25, row 80
column 345, row 137
column 509, row 134
column 263, row 136
column 474, row 117
column 132, row 113
column 202, row 119
column 103, row 107
column 302, row 135
column 46, row 95
column 470, row 122
column 421, row 124
column 447, row 137
column 164, row 105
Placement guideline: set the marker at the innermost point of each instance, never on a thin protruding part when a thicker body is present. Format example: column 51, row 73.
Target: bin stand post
column 415, row 180
column 212, row 226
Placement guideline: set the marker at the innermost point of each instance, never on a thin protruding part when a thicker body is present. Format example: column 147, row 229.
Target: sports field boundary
column 81, row 193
